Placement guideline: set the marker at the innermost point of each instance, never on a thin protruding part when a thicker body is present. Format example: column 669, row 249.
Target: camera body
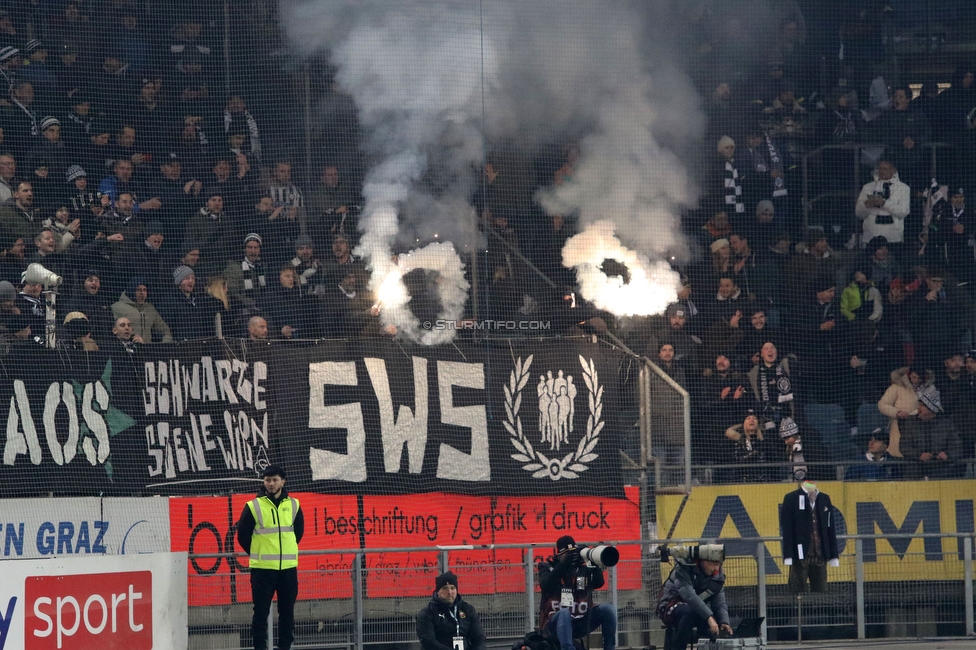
column 689, row 554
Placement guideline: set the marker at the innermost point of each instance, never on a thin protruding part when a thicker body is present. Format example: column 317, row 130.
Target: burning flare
column 652, row 287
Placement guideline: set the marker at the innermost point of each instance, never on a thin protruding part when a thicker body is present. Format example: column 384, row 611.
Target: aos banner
column 377, row 417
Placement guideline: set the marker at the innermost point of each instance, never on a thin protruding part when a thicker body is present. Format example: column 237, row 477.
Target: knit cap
column 181, row 273
column 75, row 172
column 443, row 579
column 788, row 428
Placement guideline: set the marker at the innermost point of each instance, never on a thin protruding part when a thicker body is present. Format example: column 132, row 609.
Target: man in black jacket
column 566, row 610
column 449, row 623
column 809, row 528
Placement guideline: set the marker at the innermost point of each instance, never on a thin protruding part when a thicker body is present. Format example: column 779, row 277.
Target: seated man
column 693, row 595
column 449, row 623
column 872, row 464
column 566, row 610
column 929, row 442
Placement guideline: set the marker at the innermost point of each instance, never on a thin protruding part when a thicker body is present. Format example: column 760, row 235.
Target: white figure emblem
column 557, row 397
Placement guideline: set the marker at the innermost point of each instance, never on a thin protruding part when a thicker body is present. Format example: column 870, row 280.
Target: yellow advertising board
column 733, row 512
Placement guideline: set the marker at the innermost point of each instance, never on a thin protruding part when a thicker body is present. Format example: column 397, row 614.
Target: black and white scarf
column 779, row 186
column 784, row 387
column 33, row 118
column 253, row 275
column 84, row 122
column 252, row 131
column 733, row 189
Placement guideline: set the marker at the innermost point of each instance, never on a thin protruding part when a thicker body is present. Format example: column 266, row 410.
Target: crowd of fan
column 122, row 171
column 850, row 342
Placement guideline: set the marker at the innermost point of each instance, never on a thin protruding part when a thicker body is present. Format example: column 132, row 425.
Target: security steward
column 449, row 623
column 269, row 530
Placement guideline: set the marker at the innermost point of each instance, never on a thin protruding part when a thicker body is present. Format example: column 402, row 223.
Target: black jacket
column 189, row 317
column 554, row 575
column 436, row 625
column 797, row 528
column 246, row 523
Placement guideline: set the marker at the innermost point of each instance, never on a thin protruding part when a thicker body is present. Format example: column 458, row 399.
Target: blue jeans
column 603, row 616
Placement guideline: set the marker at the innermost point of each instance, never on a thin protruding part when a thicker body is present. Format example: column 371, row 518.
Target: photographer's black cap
column 564, row 542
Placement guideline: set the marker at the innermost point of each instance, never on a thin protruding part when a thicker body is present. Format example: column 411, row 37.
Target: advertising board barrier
column 133, row 602
column 205, row 525
column 37, row 528
column 862, row 508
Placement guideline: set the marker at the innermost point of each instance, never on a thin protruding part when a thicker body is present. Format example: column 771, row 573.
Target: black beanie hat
column 564, row 542
column 445, row 579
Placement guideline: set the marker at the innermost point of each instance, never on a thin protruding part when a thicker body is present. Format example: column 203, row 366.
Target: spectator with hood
column 953, row 104
column 900, row 401
column 882, row 207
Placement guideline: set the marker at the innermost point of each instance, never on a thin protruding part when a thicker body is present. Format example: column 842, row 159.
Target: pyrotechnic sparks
column 652, row 286
column 452, row 290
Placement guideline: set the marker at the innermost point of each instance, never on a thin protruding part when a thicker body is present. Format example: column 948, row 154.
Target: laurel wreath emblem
column 571, row 465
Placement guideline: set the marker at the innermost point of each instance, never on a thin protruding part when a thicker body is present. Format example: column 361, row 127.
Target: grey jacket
column 704, row 594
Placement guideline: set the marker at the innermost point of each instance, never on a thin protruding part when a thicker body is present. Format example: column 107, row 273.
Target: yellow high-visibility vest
column 273, row 544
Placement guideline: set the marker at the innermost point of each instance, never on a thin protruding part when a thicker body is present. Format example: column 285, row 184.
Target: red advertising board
column 454, row 520
column 104, row 610
column 207, row 525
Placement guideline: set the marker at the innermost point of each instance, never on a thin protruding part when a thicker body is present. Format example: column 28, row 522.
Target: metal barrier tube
column 761, row 583
column 614, row 599
column 357, row 594
column 529, row 589
column 686, row 407
column 967, row 550
column 443, row 560
column 859, row 586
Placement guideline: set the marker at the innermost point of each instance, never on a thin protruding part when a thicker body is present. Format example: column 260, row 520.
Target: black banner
column 375, row 417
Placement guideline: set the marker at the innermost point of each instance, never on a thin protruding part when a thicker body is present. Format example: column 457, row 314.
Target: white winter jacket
column 892, row 215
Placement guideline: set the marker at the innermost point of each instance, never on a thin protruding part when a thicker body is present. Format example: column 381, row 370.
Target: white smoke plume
column 435, row 81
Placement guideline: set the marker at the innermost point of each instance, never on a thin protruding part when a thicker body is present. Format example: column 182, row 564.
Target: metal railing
column 858, row 172
column 862, row 598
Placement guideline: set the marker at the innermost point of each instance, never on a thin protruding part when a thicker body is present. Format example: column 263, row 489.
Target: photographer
column 566, row 610
column 693, row 595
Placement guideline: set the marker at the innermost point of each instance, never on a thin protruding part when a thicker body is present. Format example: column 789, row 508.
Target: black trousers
column 683, row 622
column 264, row 584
